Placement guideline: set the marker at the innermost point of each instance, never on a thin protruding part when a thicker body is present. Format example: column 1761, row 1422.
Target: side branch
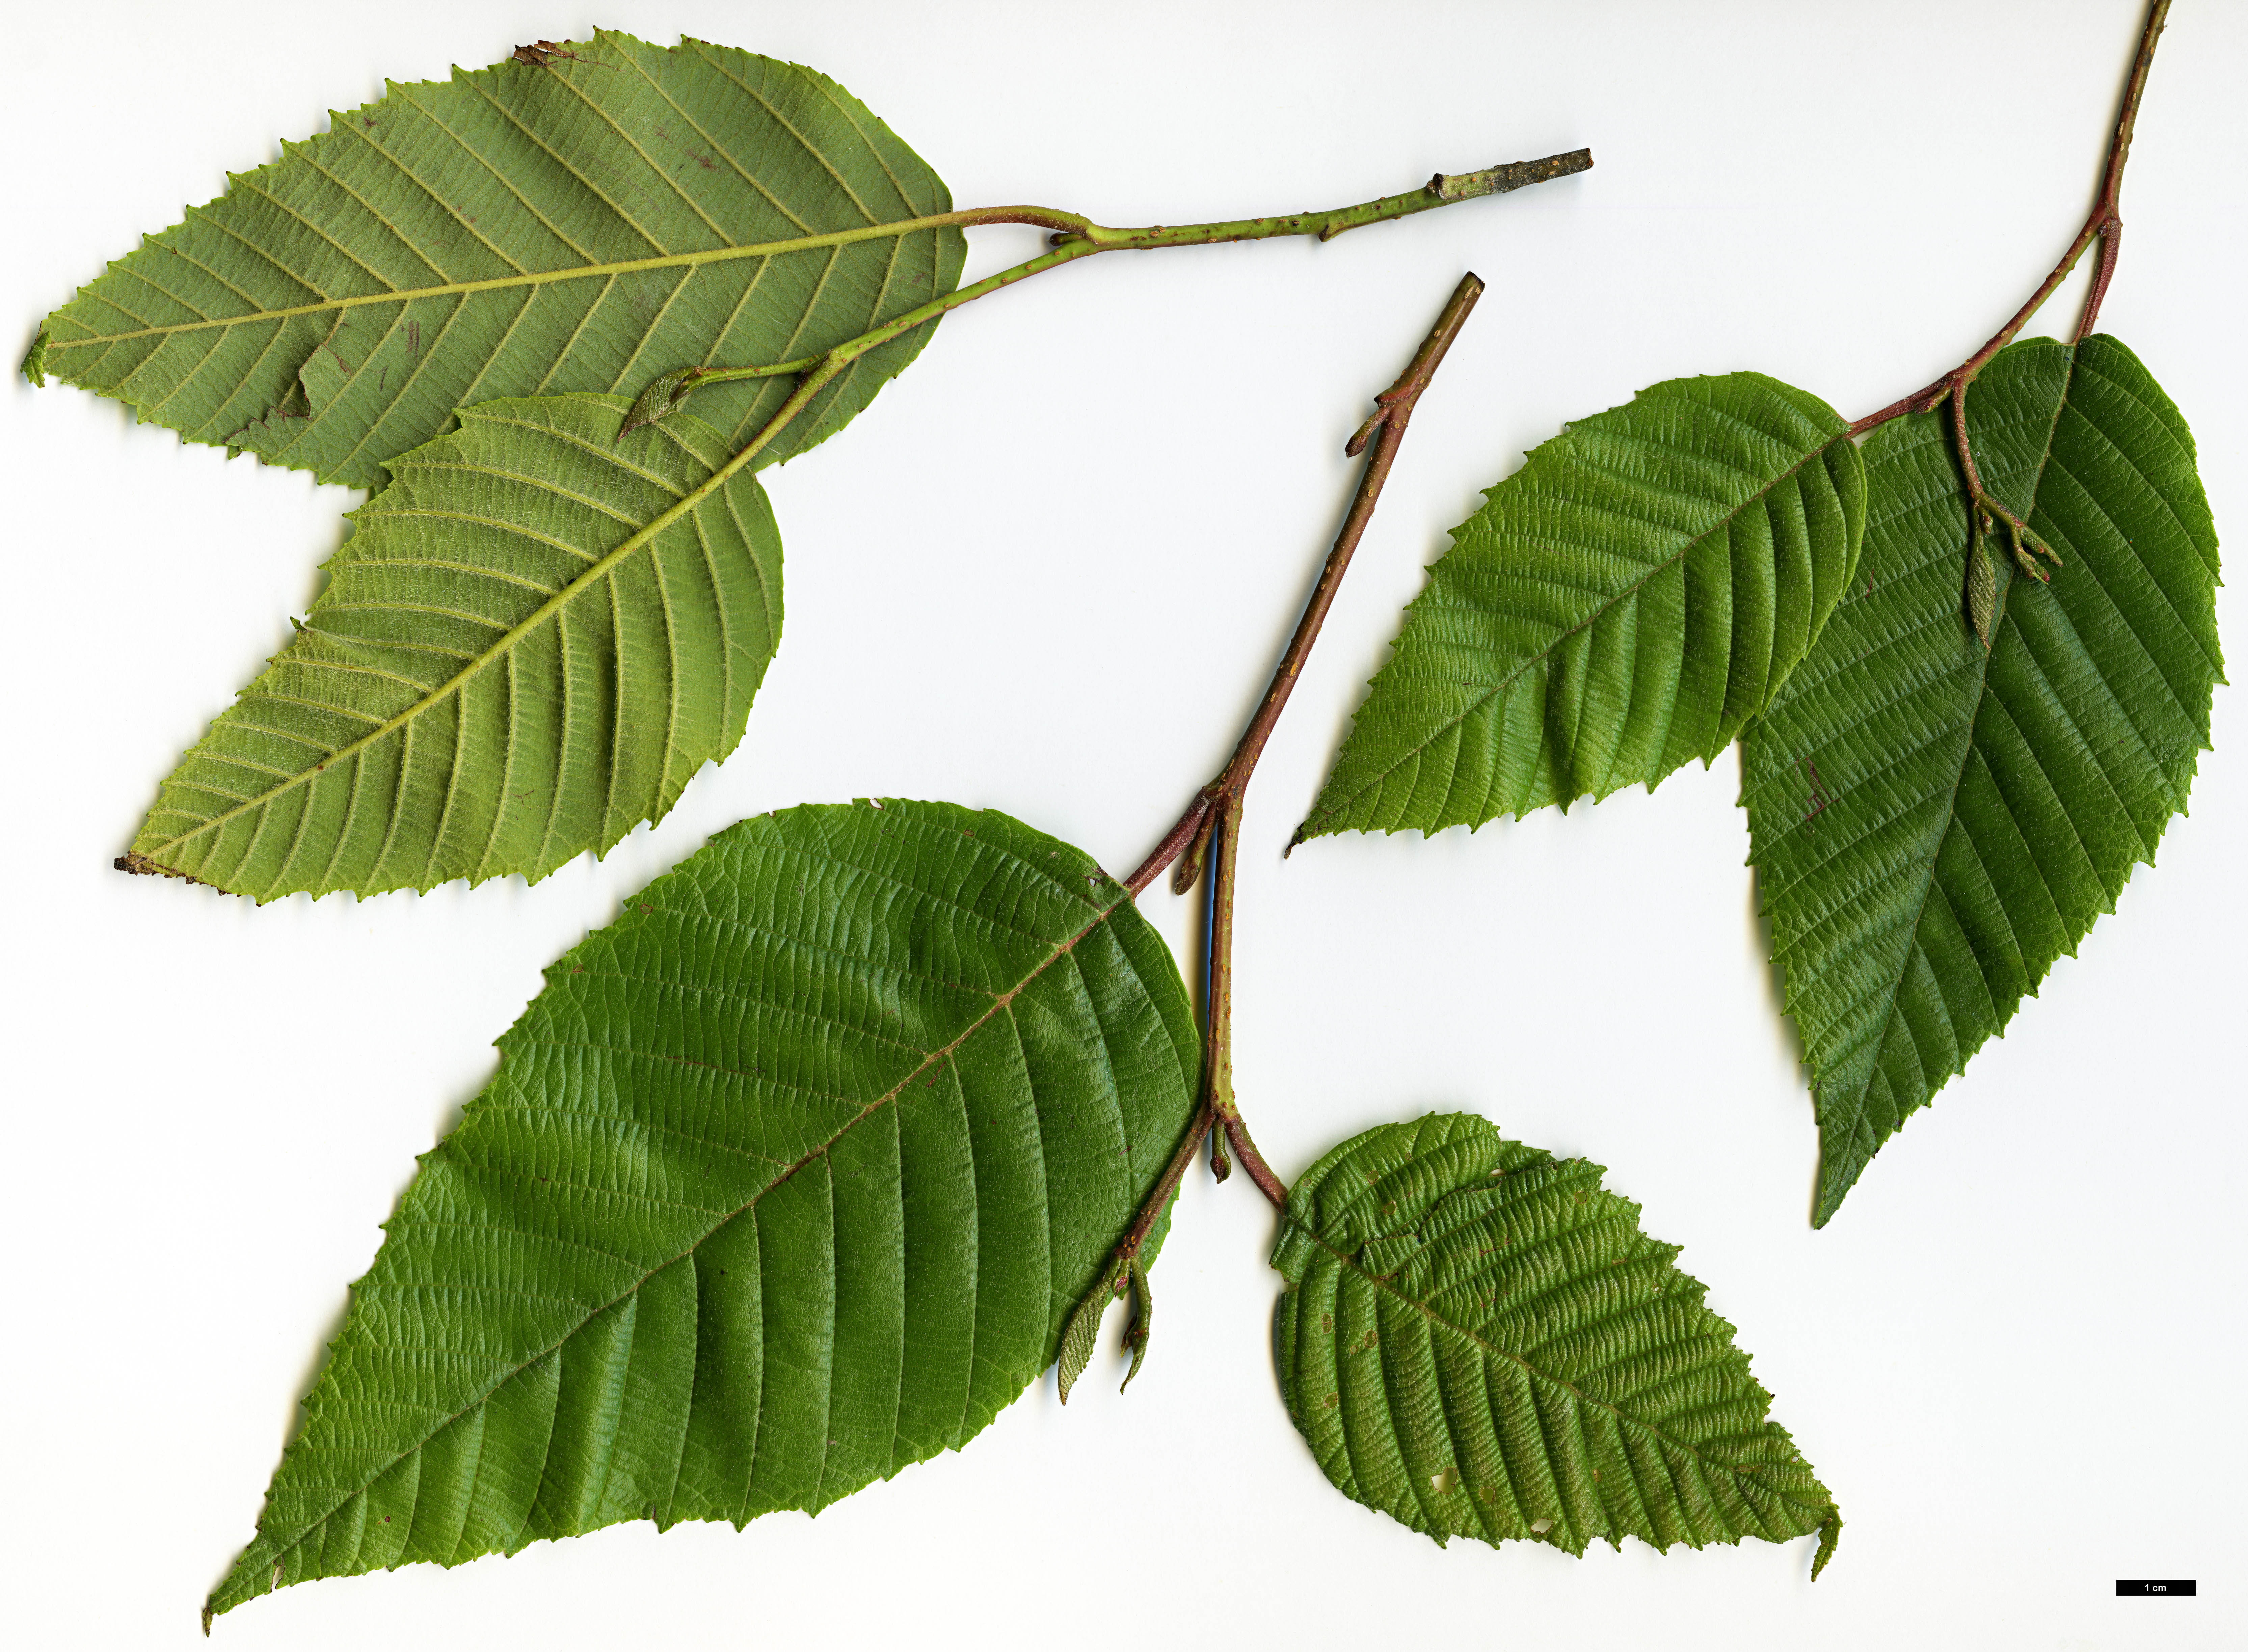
column 2104, row 224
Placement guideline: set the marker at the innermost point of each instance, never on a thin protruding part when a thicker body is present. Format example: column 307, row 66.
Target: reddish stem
column 2104, row 224
column 1210, row 827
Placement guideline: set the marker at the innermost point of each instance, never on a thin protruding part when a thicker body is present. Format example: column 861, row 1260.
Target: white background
column 1047, row 572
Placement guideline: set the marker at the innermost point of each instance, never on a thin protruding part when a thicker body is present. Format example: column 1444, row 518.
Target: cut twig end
column 1515, row 175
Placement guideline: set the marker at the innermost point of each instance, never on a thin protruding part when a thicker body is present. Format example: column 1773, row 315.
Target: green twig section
column 1076, row 237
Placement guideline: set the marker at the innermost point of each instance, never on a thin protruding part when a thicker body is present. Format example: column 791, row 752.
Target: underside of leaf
column 1620, row 605
column 1477, row 1341
column 524, row 229
column 1935, row 824
column 788, row 1180
column 535, row 637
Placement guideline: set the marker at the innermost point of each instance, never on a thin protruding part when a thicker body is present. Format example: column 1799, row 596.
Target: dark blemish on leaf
column 141, row 867
column 1819, row 799
column 414, row 339
column 703, row 162
column 539, row 53
column 381, row 383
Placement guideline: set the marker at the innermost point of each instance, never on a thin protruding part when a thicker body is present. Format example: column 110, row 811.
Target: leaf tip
column 35, row 361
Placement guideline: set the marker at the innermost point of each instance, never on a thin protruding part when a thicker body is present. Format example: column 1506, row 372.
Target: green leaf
column 1623, row 603
column 1477, row 1341
column 536, row 636
column 788, row 1179
column 1933, row 825
column 521, row 230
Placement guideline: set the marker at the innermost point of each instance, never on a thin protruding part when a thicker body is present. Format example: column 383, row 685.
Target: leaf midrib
column 1061, row 949
column 1538, row 1373
column 1532, row 660
column 625, row 266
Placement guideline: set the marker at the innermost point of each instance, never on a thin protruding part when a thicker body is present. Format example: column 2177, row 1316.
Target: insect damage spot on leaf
column 539, row 53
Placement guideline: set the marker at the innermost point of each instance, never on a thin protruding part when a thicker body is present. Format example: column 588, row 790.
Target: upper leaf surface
column 1933, row 825
column 1477, row 1339
column 1623, row 604
column 787, row 1180
column 523, row 230
column 535, row 637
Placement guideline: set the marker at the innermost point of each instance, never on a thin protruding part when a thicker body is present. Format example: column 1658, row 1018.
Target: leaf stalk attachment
column 2103, row 224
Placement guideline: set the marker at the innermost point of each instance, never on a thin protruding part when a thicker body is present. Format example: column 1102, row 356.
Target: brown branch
column 1210, row 827
column 1209, row 830
column 1386, row 429
column 2104, row 224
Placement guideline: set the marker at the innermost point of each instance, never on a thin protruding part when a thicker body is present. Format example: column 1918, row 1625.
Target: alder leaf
column 524, row 229
column 1932, row 823
column 787, row 1180
column 1477, row 1341
column 534, row 639
column 1623, row 604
